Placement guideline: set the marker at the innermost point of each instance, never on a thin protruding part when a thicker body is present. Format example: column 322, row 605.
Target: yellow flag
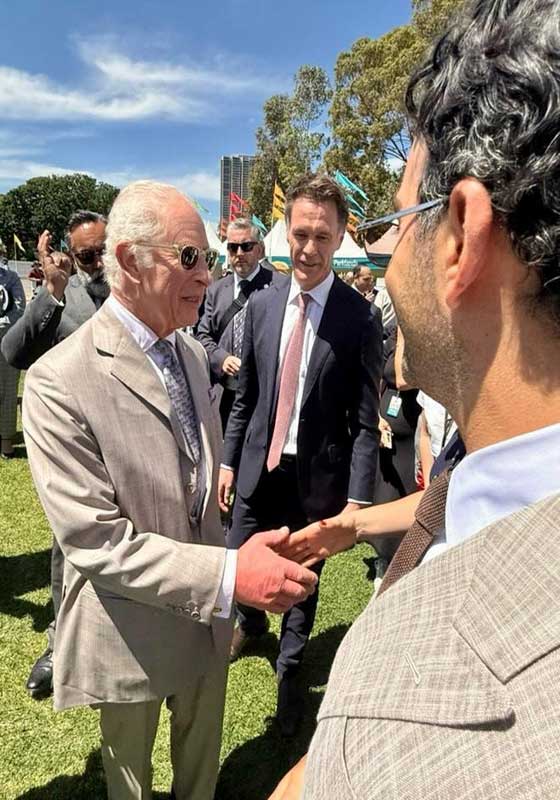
column 278, row 203
column 17, row 241
column 351, row 224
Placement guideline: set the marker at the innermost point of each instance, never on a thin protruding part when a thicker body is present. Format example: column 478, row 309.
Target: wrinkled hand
column 231, row 365
column 291, row 785
column 226, row 487
column 321, row 539
column 57, row 267
column 267, row 581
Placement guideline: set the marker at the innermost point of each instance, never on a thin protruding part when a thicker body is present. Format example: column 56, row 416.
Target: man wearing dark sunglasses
column 221, row 326
column 74, row 288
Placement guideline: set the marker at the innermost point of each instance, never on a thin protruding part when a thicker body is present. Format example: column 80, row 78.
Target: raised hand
column 321, row 539
column 57, row 267
column 267, row 581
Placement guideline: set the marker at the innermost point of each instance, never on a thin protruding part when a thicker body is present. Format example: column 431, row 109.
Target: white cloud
column 21, row 170
column 118, row 87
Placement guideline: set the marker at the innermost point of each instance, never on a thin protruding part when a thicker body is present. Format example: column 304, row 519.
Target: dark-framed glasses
column 376, row 228
column 89, row 255
column 246, row 247
column 188, row 254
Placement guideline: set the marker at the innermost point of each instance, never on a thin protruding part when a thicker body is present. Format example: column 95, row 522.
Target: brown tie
column 429, row 518
column 289, row 378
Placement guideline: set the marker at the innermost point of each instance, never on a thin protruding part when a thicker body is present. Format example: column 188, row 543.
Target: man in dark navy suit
column 221, row 326
column 302, row 437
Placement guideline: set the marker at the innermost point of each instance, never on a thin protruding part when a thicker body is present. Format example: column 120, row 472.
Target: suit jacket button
column 195, row 615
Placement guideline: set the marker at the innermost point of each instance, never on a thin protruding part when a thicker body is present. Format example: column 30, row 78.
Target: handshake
column 273, row 567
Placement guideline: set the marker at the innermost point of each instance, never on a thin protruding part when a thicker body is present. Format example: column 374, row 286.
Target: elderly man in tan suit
column 446, row 688
column 124, row 444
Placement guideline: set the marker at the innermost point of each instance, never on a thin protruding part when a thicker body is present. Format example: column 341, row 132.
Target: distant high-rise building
column 235, row 172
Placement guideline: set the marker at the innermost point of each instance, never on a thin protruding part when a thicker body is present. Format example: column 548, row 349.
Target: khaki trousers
column 129, row 729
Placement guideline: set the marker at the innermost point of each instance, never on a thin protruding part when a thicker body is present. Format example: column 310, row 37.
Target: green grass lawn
column 55, row 756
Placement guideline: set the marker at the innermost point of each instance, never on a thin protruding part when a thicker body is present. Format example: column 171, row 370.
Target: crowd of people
column 201, row 447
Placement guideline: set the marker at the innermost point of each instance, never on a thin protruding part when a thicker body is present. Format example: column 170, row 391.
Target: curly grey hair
column 245, row 224
column 487, row 105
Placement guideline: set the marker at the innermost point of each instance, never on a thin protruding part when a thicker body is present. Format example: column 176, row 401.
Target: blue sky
column 159, row 89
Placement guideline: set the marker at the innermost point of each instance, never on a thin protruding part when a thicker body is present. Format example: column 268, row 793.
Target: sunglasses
column 188, row 254
column 246, row 247
column 89, row 256
column 375, row 228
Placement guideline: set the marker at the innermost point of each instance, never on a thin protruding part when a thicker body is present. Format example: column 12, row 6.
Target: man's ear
column 469, row 237
column 127, row 261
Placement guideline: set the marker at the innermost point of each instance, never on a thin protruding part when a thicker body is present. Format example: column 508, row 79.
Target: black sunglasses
column 246, row 247
column 188, row 254
column 89, row 256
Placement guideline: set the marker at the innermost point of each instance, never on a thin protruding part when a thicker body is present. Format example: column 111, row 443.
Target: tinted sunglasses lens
column 247, row 246
column 212, row 258
column 377, row 231
column 189, row 256
column 87, row 257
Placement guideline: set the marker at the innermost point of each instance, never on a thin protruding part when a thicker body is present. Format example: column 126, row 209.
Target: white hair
column 136, row 215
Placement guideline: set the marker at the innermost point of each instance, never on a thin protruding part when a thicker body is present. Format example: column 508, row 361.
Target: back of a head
column 487, row 105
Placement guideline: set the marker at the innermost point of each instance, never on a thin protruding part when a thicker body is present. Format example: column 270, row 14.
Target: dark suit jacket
column 338, row 432
column 45, row 324
column 219, row 297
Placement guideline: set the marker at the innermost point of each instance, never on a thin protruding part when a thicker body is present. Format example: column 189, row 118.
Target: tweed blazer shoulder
column 447, row 686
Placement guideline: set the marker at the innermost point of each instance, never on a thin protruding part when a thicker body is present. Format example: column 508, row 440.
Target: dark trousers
column 57, row 580
column 276, row 503
column 226, row 403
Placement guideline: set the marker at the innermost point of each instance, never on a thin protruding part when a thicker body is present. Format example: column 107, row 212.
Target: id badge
column 394, row 406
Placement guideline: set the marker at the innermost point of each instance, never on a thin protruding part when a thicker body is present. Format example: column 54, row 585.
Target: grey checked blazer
column 447, row 687
column 45, row 323
column 142, row 571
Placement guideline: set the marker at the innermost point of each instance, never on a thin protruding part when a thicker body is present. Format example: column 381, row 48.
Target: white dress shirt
column 237, row 280
column 145, row 338
column 496, row 481
column 315, row 308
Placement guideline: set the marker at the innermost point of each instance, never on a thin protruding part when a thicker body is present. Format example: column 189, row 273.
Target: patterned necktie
column 180, row 395
column 429, row 518
column 239, row 319
column 289, row 378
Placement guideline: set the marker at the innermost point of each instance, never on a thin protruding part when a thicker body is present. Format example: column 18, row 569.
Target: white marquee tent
column 276, row 248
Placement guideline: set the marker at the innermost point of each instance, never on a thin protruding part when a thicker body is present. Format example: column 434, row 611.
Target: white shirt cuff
column 225, row 466
column 360, row 502
column 224, row 600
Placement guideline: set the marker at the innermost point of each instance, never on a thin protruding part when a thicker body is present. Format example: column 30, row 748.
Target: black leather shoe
column 241, row 639
column 290, row 705
column 40, row 681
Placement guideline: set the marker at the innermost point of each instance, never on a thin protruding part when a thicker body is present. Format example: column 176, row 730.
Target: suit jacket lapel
column 510, row 616
column 131, row 367
column 275, row 309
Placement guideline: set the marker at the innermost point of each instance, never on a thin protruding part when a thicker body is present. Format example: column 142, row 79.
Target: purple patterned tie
column 180, row 395
column 289, row 378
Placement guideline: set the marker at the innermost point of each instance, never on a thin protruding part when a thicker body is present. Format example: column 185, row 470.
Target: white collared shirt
column 145, row 338
column 496, row 481
column 319, row 295
column 237, row 280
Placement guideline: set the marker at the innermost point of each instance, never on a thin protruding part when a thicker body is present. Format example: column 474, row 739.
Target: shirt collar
column 319, row 293
column 142, row 335
column 498, row 480
column 237, row 279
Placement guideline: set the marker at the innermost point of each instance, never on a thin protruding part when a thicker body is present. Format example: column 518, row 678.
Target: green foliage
column 369, row 130
column 287, row 143
column 48, row 203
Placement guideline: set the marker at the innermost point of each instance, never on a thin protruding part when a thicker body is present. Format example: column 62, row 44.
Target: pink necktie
column 288, row 385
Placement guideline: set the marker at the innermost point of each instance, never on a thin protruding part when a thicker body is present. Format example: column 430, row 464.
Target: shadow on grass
column 18, row 576
column 252, row 771
column 88, row 786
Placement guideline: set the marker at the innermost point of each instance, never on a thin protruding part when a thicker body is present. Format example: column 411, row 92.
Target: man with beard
column 447, row 685
column 74, row 288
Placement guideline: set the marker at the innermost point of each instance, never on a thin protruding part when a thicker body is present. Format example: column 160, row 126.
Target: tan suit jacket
column 110, row 465
column 446, row 688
